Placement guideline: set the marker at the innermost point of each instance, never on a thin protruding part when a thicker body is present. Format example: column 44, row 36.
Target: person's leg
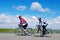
column 25, row 26
column 43, row 30
column 22, row 30
column 38, row 30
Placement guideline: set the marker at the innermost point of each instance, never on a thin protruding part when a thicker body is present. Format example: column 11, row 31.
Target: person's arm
column 20, row 22
column 46, row 24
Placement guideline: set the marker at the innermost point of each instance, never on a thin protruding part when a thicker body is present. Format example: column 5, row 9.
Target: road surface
column 12, row 36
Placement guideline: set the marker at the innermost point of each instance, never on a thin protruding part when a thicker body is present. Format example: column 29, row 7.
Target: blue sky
column 7, row 6
column 46, row 9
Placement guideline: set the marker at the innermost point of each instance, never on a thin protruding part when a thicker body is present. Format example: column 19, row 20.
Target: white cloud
column 47, row 9
column 34, row 17
column 54, row 23
column 32, row 22
column 19, row 7
column 37, row 6
column 57, row 20
column 9, row 21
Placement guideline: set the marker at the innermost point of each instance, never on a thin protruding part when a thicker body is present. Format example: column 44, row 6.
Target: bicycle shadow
column 42, row 36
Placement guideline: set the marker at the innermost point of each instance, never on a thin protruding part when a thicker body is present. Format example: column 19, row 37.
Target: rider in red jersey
column 23, row 23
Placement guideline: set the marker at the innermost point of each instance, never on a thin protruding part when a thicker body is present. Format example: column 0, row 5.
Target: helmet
column 19, row 16
column 39, row 18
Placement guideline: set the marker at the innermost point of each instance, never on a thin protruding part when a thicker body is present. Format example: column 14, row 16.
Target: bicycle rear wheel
column 37, row 33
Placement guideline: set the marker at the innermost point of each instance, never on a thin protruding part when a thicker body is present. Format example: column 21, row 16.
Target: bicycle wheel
column 37, row 33
column 49, row 32
column 29, row 31
column 18, row 31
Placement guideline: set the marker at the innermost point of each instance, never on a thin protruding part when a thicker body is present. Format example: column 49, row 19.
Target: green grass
column 7, row 30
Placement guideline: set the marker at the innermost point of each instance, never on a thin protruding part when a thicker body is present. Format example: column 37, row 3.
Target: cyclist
column 44, row 28
column 23, row 24
column 39, row 25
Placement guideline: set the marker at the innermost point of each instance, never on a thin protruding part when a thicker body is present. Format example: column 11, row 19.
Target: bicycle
column 19, row 32
column 48, row 32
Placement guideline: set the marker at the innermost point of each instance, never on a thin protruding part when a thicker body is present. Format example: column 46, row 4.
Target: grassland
column 9, row 30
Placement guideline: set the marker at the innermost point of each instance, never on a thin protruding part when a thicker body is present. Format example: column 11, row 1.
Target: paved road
column 12, row 36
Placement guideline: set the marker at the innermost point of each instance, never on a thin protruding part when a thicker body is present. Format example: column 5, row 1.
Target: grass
column 6, row 30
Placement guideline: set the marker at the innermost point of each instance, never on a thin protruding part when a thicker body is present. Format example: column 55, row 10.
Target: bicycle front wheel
column 49, row 32
column 18, row 31
column 29, row 31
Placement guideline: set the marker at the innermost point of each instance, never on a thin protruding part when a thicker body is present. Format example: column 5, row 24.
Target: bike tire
column 49, row 32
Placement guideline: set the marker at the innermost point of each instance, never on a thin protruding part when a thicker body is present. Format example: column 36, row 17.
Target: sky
column 48, row 10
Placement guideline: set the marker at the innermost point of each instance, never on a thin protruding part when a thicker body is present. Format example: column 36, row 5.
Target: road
column 12, row 36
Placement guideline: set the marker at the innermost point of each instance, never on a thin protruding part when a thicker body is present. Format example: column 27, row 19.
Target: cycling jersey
column 45, row 24
column 22, row 21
